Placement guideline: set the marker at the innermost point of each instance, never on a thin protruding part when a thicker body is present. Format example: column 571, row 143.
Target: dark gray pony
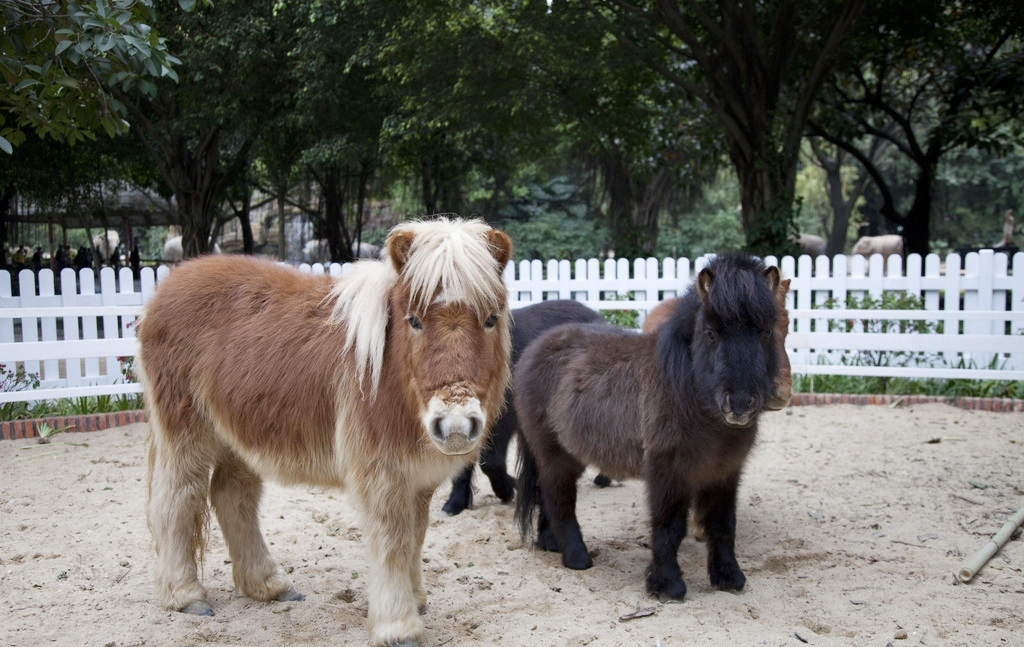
column 677, row 408
column 527, row 324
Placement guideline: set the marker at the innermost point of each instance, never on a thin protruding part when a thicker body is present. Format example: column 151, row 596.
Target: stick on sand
column 972, row 567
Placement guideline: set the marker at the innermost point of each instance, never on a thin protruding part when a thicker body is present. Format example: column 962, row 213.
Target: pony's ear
column 501, row 247
column 399, row 245
column 774, row 278
column 704, row 280
column 782, row 290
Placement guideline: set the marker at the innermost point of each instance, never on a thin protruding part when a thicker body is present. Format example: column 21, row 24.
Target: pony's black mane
column 737, row 298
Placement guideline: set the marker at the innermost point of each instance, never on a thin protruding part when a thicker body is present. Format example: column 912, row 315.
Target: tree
column 646, row 139
column 842, row 187
column 61, row 61
column 757, row 68
column 464, row 99
column 200, row 133
column 938, row 78
column 486, row 90
column 336, row 70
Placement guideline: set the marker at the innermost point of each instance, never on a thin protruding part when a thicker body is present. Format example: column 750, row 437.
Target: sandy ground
column 852, row 522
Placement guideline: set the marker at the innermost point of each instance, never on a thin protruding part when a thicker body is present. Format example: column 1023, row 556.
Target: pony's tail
column 528, row 486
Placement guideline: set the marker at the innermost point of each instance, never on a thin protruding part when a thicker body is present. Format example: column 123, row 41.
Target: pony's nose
column 444, row 427
column 740, row 403
column 455, row 427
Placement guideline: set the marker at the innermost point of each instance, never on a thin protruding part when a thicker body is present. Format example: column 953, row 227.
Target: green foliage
column 46, row 432
column 897, row 300
column 951, row 388
column 621, row 318
column 711, row 226
column 556, row 236
column 891, row 300
column 64, row 63
column 11, row 380
column 550, row 221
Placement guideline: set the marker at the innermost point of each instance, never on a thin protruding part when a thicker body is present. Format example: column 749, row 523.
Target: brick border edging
column 16, row 429
column 1002, row 405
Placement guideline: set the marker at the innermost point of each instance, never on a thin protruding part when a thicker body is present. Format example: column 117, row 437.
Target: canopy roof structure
column 124, row 209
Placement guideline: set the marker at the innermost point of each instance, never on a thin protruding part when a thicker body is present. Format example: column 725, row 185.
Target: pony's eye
column 767, row 334
column 491, row 321
column 415, row 322
column 710, row 334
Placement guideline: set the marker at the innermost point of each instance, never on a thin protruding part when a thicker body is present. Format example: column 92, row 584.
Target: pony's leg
column 669, row 506
column 461, row 496
column 177, row 515
column 416, row 562
column 392, row 522
column 235, row 492
column 558, row 492
column 716, row 507
column 545, row 535
column 493, row 459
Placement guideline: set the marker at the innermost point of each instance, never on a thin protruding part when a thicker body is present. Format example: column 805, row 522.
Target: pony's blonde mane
column 450, row 260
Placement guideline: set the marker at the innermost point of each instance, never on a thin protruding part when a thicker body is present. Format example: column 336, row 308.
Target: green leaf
column 61, row 46
column 187, row 5
column 67, row 81
column 5, row 145
column 26, row 83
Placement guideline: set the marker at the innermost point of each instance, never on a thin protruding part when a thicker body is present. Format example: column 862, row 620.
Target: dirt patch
column 852, row 523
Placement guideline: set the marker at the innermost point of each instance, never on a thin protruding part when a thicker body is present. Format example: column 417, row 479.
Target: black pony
column 677, row 408
column 527, row 324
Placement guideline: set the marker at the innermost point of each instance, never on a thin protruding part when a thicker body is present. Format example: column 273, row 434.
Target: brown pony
column 782, row 389
column 383, row 381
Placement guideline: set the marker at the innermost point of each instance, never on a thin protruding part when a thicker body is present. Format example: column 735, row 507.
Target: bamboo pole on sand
column 972, row 567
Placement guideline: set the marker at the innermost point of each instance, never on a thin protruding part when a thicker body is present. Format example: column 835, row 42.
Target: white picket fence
column 72, row 339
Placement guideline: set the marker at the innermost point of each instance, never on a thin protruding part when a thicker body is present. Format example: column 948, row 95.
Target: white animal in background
column 885, row 245
column 106, row 243
column 811, row 245
column 173, row 251
column 1007, row 230
column 318, row 251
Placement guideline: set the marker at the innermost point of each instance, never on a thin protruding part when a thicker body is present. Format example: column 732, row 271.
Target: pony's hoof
column 197, row 608
column 602, row 481
column 577, row 560
column 504, row 489
column 729, row 581
column 546, row 541
column 451, row 512
column 291, row 595
column 666, row 588
column 454, row 505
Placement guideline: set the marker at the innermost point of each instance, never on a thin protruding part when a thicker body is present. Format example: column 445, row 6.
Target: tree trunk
column 6, row 200
column 621, row 204
column 917, row 223
column 333, row 197
column 428, row 185
column 766, row 194
column 245, row 224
